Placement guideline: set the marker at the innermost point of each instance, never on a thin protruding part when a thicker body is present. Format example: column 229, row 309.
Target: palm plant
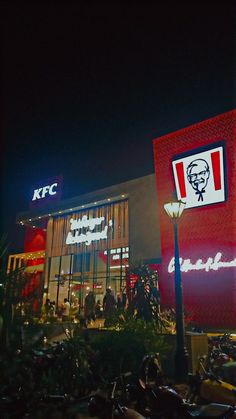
column 145, row 300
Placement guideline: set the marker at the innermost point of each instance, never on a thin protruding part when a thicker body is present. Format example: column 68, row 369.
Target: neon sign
column 75, row 236
column 210, row 264
column 86, row 222
column 43, row 192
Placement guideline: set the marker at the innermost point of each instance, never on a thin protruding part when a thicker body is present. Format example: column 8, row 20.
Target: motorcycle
column 206, row 387
column 148, row 399
column 166, row 403
column 108, row 406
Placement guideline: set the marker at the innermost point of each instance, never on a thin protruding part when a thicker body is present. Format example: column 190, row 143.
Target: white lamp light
column 174, row 209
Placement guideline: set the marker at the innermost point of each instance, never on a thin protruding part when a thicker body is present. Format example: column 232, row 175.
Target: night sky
column 87, row 87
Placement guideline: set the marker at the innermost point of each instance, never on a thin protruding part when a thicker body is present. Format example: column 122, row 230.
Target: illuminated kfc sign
column 46, row 191
column 41, row 193
column 200, row 176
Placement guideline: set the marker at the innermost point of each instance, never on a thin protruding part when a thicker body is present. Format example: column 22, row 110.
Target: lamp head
column 174, row 209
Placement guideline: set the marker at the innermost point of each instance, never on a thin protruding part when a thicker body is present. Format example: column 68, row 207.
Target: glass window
column 65, row 265
column 53, row 280
column 54, row 270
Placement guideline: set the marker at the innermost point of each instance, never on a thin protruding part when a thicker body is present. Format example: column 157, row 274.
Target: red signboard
column 198, row 165
column 35, row 240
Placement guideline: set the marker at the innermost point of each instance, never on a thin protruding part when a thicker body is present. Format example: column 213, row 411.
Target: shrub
column 122, row 349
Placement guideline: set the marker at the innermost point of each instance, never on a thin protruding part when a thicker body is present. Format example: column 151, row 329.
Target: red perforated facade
column 207, row 231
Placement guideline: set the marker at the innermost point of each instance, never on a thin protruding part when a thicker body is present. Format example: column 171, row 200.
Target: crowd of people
column 91, row 310
column 144, row 302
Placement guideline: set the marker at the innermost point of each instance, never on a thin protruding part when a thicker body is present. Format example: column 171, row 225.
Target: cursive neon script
column 210, row 264
column 76, row 236
column 86, row 222
column 86, row 238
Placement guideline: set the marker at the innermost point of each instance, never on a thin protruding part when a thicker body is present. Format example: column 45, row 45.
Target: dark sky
column 87, row 87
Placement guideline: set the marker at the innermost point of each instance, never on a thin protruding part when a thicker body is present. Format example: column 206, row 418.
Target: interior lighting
column 33, row 226
column 108, row 199
column 95, row 203
column 119, row 266
column 122, row 196
column 39, row 218
column 30, row 219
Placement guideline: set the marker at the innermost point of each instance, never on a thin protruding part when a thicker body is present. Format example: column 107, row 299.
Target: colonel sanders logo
column 199, row 177
column 198, row 173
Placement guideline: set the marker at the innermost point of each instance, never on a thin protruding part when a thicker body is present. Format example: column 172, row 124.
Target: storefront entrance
column 87, row 251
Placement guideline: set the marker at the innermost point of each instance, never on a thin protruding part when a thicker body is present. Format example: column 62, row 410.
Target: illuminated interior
column 29, row 261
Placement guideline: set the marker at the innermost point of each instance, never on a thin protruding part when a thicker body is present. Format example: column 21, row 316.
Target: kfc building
column 87, row 242
column 198, row 166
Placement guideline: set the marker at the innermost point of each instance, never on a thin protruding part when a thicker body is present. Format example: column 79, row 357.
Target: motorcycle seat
column 213, row 410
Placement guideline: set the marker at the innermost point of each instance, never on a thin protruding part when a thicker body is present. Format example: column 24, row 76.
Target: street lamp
column 174, row 211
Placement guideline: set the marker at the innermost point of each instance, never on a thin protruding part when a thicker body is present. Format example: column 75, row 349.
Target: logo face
column 45, row 191
column 200, row 178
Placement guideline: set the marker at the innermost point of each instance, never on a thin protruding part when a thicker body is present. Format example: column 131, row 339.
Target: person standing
column 89, row 307
column 52, row 310
column 119, row 303
column 66, row 310
column 47, row 306
column 109, row 303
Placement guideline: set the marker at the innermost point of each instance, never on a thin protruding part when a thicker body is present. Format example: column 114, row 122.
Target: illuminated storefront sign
column 44, row 191
column 116, row 253
column 200, row 177
column 76, row 236
column 86, row 222
column 117, row 257
column 212, row 263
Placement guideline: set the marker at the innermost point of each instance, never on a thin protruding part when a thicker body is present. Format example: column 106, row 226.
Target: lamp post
column 174, row 211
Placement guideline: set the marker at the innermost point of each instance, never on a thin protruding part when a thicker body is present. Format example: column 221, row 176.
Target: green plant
column 14, row 300
column 143, row 292
column 122, row 349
